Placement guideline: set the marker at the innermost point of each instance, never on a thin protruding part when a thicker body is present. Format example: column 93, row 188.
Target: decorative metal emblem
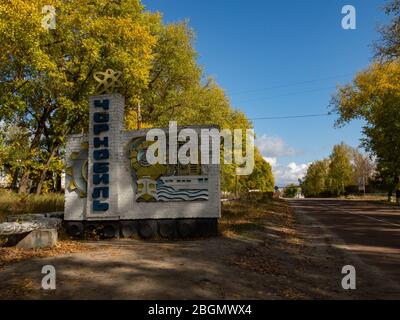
column 108, row 81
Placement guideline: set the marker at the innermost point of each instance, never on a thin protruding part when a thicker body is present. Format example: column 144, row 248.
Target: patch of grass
column 381, row 199
column 367, row 197
column 13, row 203
column 249, row 218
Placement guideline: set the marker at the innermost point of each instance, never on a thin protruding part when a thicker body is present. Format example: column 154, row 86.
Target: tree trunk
column 15, row 179
column 45, row 170
column 58, row 182
column 41, row 180
column 390, row 196
column 24, row 183
column 398, row 197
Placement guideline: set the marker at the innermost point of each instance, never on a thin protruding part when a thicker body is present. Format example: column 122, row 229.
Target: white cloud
column 274, row 147
column 272, row 161
column 291, row 173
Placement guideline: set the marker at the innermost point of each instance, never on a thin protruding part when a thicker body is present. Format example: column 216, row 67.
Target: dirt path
column 271, row 256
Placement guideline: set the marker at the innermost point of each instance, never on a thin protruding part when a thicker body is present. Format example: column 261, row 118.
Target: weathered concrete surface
column 34, row 216
column 39, row 239
column 122, row 194
column 14, row 228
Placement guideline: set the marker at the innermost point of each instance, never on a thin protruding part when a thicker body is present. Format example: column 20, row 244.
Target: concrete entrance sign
column 111, row 185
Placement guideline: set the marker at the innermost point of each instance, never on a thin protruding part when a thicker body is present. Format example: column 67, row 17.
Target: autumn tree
column 385, row 179
column 374, row 96
column 291, row 191
column 46, row 75
column 315, row 182
column 261, row 178
column 14, row 142
column 340, row 169
column 363, row 167
column 388, row 47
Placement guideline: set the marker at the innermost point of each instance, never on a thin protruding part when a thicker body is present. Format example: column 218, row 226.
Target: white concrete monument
column 110, row 184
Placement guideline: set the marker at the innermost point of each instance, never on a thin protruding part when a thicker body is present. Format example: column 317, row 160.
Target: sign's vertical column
column 106, row 124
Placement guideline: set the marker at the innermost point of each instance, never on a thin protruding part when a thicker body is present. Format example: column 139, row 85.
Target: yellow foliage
column 368, row 91
column 131, row 121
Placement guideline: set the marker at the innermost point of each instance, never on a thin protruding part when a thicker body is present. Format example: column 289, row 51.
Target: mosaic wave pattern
column 167, row 193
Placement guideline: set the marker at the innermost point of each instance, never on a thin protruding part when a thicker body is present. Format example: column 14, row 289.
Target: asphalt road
column 368, row 233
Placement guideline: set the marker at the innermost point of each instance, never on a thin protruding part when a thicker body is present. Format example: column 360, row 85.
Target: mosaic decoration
column 147, row 190
column 182, row 188
column 78, row 172
column 166, row 183
column 108, row 81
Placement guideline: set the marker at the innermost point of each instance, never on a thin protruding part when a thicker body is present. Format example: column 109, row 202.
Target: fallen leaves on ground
column 12, row 255
column 279, row 254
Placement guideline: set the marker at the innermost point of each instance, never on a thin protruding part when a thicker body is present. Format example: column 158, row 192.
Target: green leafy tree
column 374, row 96
column 340, row 169
column 45, row 75
column 385, row 179
column 261, row 179
column 316, row 180
column 14, row 142
column 291, row 191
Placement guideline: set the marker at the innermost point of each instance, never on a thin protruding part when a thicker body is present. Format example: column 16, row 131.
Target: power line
column 288, row 94
column 293, row 117
column 288, row 85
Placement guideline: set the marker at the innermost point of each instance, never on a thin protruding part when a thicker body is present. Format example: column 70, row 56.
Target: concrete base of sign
column 39, row 239
column 144, row 229
column 129, row 229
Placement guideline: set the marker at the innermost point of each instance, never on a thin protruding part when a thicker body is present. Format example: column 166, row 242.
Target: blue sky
column 282, row 58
